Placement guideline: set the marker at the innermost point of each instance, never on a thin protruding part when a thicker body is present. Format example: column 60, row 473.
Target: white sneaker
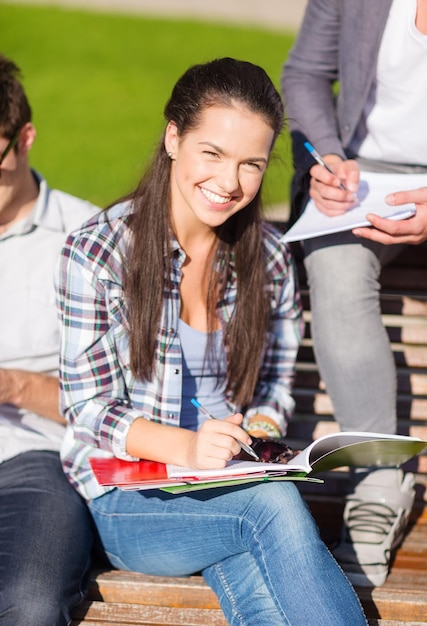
column 375, row 517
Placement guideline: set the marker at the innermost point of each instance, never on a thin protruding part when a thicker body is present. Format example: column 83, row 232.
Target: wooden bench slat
column 393, row 622
column 404, row 355
column 316, row 401
column 410, row 381
column 414, row 306
column 147, row 615
column 371, row 622
column 114, row 586
column 392, row 320
column 389, row 604
column 101, row 622
column 390, row 303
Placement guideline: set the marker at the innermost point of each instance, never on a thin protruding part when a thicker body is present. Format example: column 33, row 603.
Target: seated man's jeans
column 257, row 546
column 46, row 535
column 351, row 345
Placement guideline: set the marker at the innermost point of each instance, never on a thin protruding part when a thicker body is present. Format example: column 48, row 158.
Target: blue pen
column 312, row 150
column 212, row 417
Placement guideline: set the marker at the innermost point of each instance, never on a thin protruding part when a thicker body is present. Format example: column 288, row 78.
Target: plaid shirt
column 100, row 397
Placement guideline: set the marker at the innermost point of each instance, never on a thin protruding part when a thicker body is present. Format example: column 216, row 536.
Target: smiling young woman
column 182, row 291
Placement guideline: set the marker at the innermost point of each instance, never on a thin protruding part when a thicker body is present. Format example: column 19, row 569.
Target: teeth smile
column 214, row 197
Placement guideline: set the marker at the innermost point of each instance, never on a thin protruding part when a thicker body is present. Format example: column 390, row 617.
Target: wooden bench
column 118, row 597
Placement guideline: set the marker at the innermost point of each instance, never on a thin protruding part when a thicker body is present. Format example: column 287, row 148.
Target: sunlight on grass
column 98, row 84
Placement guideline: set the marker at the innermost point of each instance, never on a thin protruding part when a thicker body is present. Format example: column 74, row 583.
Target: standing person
column 45, row 527
column 182, row 291
column 377, row 52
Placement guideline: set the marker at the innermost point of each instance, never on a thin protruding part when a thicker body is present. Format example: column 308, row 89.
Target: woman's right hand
column 209, row 448
column 325, row 188
column 215, row 443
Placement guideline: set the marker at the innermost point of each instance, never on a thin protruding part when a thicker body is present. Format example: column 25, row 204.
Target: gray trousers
column 351, row 345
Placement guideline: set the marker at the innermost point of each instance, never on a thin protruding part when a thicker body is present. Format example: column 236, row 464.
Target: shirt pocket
column 32, row 324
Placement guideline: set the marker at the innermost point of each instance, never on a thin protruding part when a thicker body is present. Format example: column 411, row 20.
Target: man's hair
column 15, row 110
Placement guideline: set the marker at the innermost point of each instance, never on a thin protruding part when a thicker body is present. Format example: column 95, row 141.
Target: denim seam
column 351, row 586
column 229, row 593
column 271, row 586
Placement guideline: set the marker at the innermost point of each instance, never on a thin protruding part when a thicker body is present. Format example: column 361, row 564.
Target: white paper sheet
column 372, row 190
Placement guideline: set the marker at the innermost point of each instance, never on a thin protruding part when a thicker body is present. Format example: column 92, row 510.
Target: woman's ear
column 171, row 139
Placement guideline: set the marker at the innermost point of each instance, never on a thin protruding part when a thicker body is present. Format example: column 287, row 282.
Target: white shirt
column 396, row 112
column 29, row 329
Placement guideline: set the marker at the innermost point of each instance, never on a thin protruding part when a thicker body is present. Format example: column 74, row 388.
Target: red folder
column 117, row 472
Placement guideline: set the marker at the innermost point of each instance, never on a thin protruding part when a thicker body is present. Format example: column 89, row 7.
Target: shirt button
column 171, row 330
column 176, row 371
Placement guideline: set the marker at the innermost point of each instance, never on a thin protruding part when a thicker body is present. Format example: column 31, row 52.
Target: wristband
column 269, row 429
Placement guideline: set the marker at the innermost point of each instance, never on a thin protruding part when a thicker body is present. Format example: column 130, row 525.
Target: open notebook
column 328, row 452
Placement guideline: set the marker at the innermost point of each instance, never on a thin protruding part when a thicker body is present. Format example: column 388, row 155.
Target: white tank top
column 396, row 114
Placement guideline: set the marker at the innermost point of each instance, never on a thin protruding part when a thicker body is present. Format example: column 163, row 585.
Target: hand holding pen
column 208, row 414
column 328, row 196
column 312, row 150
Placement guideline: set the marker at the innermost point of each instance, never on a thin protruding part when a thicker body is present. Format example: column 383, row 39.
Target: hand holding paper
column 373, row 189
column 413, row 231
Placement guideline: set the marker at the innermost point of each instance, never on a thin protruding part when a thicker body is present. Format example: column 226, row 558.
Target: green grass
column 98, row 84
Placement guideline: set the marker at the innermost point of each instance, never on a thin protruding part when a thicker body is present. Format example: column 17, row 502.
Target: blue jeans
column 351, row 345
column 258, row 547
column 46, row 535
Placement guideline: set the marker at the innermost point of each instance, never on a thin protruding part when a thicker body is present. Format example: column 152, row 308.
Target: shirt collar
column 180, row 256
column 51, row 220
column 39, row 215
column 178, row 253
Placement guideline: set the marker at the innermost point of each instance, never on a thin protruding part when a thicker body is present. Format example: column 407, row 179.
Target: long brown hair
column 240, row 238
